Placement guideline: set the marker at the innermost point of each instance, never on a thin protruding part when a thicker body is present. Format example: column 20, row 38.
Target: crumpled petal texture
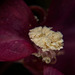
column 15, row 20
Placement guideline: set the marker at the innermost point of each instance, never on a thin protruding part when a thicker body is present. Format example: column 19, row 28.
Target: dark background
column 43, row 3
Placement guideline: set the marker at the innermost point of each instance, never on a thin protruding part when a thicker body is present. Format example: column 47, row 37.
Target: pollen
column 46, row 39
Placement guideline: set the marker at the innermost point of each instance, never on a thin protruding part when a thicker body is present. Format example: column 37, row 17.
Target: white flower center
column 46, row 39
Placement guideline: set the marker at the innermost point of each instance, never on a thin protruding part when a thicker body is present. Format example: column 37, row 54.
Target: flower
column 16, row 20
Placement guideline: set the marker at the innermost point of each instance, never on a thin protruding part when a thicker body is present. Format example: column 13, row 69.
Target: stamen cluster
column 47, row 40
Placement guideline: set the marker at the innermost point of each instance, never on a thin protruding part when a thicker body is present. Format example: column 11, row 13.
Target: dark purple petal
column 66, row 62
column 51, row 71
column 69, row 48
column 34, row 64
column 37, row 67
column 15, row 20
column 61, row 16
column 13, row 47
column 61, row 13
column 16, row 15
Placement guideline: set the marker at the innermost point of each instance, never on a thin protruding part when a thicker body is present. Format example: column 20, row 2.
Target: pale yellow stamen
column 46, row 39
column 36, row 18
column 46, row 59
